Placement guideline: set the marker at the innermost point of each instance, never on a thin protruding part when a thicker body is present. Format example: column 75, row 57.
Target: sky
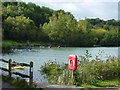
column 81, row 9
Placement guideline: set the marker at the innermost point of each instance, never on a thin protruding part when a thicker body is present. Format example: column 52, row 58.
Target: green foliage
column 38, row 14
column 29, row 21
column 108, row 83
column 19, row 28
column 90, row 72
column 100, row 83
column 52, row 70
column 98, row 34
column 6, row 45
column 19, row 83
column 110, row 38
column 60, row 27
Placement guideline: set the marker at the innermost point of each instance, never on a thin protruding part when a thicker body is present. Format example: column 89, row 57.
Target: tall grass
column 88, row 71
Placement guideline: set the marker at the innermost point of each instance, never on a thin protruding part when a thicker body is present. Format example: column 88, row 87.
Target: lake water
column 41, row 55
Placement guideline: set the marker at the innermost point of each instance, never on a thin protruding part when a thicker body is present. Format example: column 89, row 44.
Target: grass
column 23, row 43
column 8, row 45
column 19, row 83
column 88, row 86
column 106, row 83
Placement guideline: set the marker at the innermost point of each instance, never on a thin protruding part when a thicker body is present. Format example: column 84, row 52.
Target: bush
column 52, row 71
column 88, row 71
column 6, row 45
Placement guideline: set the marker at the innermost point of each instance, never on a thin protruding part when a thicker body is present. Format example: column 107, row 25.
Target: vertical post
column 9, row 67
column 31, row 74
column 72, row 77
column 68, row 78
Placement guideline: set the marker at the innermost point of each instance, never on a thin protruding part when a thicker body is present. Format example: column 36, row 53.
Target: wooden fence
column 10, row 71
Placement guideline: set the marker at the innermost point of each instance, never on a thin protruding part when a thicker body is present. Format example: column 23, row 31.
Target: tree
column 110, row 39
column 10, row 10
column 19, row 28
column 83, row 33
column 38, row 14
column 98, row 35
column 60, row 27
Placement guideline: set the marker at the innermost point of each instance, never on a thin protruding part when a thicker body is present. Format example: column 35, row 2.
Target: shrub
column 88, row 71
column 6, row 45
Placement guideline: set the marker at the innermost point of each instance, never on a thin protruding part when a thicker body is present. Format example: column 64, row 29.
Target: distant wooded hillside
column 22, row 22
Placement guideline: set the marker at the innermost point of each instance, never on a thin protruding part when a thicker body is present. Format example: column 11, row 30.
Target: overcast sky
column 104, row 9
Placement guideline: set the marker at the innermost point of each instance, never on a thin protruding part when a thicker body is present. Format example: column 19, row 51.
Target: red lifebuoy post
column 72, row 65
column 72, row 62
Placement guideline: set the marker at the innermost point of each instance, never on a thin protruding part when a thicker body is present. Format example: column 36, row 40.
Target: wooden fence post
column 9, row 67
column 31, row 74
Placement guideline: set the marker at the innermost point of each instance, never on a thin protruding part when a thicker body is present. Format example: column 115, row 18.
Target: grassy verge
column 89, row 73
column 106, row 83
column 8, row 46
column 19, row 83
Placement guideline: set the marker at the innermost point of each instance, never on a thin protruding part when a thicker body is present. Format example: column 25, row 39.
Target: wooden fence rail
column 4, row 60
column 10, row 71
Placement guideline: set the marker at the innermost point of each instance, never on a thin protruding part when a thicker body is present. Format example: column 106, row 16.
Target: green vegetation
column 29, row 22
column 6, row 46
column 22, row 44
column 90, row 73
column 18, row 83
column 105, row 83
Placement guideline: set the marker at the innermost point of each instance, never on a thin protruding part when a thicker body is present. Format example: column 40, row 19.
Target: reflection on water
column 41, row 55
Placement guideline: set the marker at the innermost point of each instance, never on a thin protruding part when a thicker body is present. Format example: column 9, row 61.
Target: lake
column 41, row 55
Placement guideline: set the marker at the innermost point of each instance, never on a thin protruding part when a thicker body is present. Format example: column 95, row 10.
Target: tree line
column 22, row 22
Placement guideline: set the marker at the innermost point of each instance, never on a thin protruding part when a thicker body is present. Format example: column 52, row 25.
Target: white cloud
column 76, row 1
column 104, row 9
